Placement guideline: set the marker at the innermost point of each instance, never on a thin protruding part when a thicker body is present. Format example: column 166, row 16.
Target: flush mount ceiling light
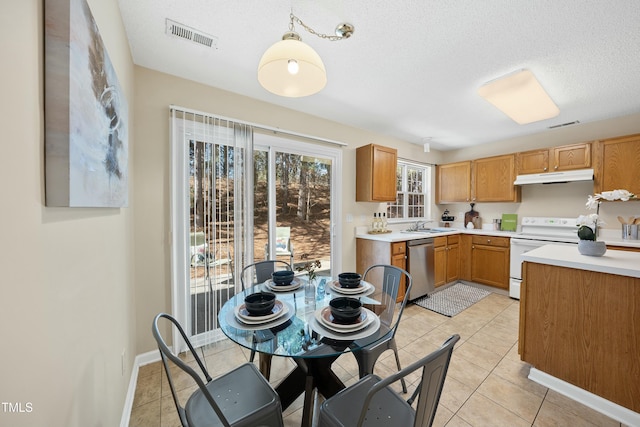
column 521, row 97
column 291, row 67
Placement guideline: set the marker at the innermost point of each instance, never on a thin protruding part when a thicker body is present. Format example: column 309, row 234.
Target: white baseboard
column 140, row 360
column 597, row 403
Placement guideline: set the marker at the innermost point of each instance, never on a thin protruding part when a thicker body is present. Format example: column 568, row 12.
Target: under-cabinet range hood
column 555, row 177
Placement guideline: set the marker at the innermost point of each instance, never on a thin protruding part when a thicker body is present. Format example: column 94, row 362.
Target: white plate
column 295, row 284
column 243, row 315
column 324, row 318
column 234, row 322
column 349, row 336
column 365, row 288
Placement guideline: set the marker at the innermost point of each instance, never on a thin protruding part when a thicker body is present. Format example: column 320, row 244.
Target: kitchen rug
column 452, row 300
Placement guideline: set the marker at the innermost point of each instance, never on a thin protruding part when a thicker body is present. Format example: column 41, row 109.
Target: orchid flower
column 593, row 202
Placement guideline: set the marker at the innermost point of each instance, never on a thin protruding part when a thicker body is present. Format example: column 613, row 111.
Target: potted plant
column 588, row 224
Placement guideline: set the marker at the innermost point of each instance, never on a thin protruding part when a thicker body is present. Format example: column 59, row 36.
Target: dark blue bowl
column 282, row 277
column 345, row 309
column 260, row 303
column 349, row 280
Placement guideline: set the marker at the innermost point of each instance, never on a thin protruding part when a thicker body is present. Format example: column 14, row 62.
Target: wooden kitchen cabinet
column 563, row 158
column 371, row 252
column 446, row 259
column 488, row 179
column 376, row 173
column 453, row 182
column 616, row 164
column 493, row 179
column 568, row 332
column 490, row 260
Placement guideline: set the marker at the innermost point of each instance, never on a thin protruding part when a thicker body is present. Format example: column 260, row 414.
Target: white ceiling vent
column 564, row 124
column 181, row 31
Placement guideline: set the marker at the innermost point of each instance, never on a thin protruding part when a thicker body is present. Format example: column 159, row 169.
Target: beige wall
column 66, row 301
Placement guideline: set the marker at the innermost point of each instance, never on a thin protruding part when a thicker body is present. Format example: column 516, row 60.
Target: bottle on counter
column 374, row 224
column 384, row 222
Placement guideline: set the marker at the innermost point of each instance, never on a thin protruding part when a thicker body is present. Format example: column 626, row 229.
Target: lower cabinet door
column 490, row 265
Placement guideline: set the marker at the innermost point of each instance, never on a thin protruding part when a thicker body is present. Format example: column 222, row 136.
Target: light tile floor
column 486, row 384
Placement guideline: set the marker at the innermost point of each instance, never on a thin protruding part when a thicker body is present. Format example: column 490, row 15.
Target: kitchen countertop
column 401, row 236
column 609, row 236
column 622, row 263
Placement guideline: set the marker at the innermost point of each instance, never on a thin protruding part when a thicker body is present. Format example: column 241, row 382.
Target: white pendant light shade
column 277, row 68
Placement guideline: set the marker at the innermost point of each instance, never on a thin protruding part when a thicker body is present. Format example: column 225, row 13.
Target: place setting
column 351, row 284
column 260, row 310
column 283, row 281
column 345, row 319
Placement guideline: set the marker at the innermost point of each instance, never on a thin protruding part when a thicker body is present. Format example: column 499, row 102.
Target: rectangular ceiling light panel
column 521, row 97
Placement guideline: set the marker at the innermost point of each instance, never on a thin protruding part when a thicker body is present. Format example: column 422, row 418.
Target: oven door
column 518, row 248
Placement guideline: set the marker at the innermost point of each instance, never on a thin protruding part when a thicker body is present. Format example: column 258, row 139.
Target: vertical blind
column 216, row 162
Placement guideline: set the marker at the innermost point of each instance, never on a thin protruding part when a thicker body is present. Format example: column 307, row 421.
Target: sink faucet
column 417, row 225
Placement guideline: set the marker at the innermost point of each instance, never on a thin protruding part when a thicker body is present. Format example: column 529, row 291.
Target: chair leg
column 393, row 346
column 264, row 362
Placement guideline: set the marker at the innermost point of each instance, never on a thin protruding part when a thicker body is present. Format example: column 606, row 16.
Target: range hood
column 555, row 177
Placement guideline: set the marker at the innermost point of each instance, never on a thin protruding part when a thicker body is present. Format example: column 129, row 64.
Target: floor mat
column 452, row 300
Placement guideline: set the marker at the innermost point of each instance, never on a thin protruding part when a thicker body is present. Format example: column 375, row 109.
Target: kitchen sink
column 421, row 231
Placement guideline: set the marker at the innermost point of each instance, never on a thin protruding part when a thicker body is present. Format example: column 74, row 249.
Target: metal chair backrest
column 434, row 372
column 167, row 353
column 389, row 278
column 261, row 271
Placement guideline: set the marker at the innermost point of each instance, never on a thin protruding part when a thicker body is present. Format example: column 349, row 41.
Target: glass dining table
column 302, row 329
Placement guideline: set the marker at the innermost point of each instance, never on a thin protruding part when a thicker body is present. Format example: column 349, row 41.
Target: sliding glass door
column 293, row 200
column 240, row 197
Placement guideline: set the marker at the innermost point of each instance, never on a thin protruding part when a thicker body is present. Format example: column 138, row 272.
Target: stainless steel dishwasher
column 420, row 266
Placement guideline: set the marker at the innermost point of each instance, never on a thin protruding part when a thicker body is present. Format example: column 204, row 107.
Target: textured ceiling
column 412, row 68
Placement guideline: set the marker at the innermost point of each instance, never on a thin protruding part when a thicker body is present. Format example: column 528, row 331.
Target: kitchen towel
column 452, row 300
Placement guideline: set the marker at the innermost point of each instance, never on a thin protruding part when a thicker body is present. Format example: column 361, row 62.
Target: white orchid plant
column 588, row 224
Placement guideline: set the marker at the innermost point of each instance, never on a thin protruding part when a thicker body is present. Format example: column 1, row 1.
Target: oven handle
column 526, row 242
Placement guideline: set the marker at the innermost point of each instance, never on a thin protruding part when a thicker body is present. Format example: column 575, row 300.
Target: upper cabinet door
column 617, row 164
column 569, row 157
column 453, row 182
column 534, row 161
column 493, row 179
column 376, row 173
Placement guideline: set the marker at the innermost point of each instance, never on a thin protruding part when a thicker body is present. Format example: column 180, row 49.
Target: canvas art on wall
column 86, row 136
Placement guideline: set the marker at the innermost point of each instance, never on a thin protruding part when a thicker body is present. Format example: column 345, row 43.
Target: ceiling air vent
column 181, row 31
column 564, row 124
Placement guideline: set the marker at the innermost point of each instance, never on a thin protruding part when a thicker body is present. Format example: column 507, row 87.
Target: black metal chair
column 241, row 397
column 388, row 278
column 261, row 271
column 372, row 402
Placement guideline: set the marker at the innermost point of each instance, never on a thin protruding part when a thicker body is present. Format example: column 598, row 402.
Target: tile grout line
column 491, row 371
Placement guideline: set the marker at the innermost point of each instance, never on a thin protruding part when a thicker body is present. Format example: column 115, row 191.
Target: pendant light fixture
column 291, row 67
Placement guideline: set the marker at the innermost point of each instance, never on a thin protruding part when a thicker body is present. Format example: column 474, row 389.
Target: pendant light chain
column 312, row 31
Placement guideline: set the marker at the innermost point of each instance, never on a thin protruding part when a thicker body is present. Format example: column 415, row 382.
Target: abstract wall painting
column 86, row 113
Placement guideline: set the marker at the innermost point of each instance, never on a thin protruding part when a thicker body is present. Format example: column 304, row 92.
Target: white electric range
column 536, row 232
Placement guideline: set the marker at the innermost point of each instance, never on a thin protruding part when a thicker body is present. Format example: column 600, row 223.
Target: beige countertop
column 401, row 236
column 622, row 263
column 610, row 236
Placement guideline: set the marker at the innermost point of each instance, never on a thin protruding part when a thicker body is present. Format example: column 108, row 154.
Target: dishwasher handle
column 418, row 242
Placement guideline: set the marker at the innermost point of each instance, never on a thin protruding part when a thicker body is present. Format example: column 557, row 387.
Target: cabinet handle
column 545, row 169
column 555, row 167
column 488, row 240
column 473, row 247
